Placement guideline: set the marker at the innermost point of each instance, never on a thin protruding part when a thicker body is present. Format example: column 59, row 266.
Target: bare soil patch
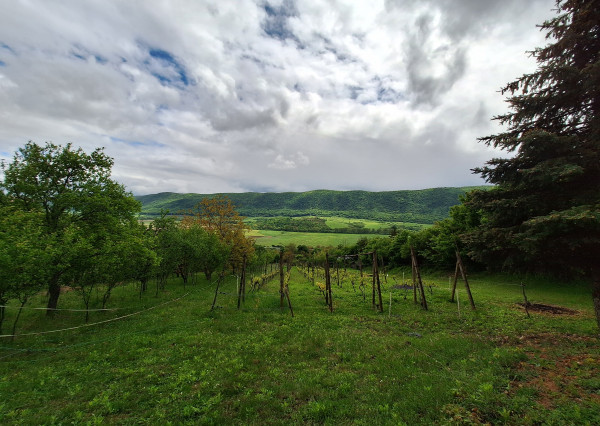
column 554, row 375
column 548, row 309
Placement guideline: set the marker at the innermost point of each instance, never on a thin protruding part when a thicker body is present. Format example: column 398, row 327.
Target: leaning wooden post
column 464, row 275
column 376, row 278
column 454, row 283
column 414, row 273
column 287, row 294
column 418, row 273
column 221, row 276
column 328, row 284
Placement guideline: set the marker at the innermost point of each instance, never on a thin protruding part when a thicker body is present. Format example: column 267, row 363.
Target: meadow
column 165, row 357
column 311, row 239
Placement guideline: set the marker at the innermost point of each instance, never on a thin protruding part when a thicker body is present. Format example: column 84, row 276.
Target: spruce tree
column 544, row 213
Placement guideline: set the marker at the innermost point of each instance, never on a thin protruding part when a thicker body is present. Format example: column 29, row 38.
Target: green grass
column 182, row 363
column 335, row 222
column 312, row 239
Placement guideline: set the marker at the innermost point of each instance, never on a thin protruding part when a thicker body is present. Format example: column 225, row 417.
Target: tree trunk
column 596, row 294
column 2, row 313
column 53, row 293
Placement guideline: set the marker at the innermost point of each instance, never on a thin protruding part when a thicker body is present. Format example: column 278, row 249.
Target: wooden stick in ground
column 328, row 284
column 454, row 283
column 376, row 273
column 281, row 279
column 221, row 276
column 414, row 274
column 287, row 294
column 418, row 272
column 243, row 284
column 526, row 301
column 241, row 289
column 464, row 275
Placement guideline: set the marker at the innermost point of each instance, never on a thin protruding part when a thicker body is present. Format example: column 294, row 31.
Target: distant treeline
column 418, row 206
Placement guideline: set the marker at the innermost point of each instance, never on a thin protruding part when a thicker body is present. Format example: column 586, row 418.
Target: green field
column 169, row 359
column 311, row 239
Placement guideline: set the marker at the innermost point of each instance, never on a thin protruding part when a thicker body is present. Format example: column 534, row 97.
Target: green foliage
column 543, row 214
column 82, row 211
column 421, row 206
column 25, row 252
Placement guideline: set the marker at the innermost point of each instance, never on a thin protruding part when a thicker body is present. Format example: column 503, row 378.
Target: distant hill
column 418, row 206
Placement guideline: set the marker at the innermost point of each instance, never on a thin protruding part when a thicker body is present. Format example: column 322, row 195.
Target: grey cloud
column 276, row 24
column 235, row 96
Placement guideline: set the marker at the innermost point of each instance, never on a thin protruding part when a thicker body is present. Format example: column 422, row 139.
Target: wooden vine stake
column 281, row 279
column 328, row 295
column 221, row 278
column 461, row 268
column 242, row 289
column 417, row 274
column 376, row 283
column 284, row 290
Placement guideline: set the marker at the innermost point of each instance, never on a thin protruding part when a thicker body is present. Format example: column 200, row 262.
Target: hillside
column 418, row 206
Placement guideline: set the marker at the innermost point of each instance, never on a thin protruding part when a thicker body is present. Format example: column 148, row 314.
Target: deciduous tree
column 72, row 190
column 218, row 216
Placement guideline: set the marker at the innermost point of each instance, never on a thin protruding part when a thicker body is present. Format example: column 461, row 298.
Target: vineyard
column 171, row 357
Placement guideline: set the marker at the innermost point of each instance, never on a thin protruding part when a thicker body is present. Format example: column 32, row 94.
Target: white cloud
column 261, row 95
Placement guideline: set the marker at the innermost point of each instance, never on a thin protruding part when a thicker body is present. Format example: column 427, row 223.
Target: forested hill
column 420, row 206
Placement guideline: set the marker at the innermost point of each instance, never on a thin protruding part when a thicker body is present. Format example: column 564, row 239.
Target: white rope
column 94, row 323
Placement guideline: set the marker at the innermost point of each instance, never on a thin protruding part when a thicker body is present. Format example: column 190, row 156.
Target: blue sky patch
column 7, row 47
column 166, row 68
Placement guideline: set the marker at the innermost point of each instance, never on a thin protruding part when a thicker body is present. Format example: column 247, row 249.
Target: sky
column 266, row 95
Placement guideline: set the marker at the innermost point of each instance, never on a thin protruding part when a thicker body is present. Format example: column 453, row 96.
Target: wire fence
column 230, row 296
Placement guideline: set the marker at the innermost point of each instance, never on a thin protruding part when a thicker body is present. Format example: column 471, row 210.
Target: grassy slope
column 421, row 206
column 182, row 363
column 311, row 239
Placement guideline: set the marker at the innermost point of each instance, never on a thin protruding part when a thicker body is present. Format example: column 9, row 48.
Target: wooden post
column 418, row 273
column 242, row 287
column 281, row 279
column 526, row 301
column 374, row 271
column 414, row 274
column 464, row 275
column 328, row 284
column 287, row 294
column 454, row 282
column 376, row 280
column 221, row 276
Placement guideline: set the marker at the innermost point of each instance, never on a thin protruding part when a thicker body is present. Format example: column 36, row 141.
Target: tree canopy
column 81, row 209
column 544, row 214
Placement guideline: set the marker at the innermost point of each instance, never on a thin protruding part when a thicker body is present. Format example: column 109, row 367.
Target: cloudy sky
column 266, row 95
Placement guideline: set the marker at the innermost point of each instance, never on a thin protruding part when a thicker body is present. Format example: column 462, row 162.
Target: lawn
column 176, row 361
column 311, row 239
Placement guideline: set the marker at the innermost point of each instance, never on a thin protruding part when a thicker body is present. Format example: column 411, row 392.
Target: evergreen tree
column 544, row 214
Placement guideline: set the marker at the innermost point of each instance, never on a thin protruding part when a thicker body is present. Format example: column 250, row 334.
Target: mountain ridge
column 419, row 206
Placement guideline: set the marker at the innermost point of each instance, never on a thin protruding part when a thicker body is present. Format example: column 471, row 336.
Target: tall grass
column 183, row 363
